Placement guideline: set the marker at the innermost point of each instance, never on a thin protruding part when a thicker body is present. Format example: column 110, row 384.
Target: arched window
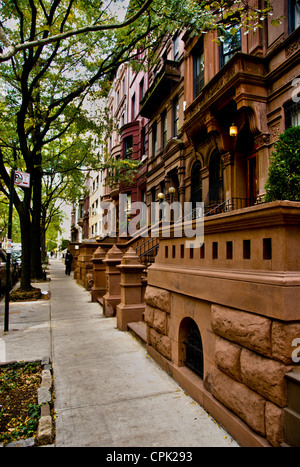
column 196, row 184
column 193, row 347
column 216, row 190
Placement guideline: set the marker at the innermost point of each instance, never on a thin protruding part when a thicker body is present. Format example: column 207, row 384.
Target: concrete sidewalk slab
column 108, row 391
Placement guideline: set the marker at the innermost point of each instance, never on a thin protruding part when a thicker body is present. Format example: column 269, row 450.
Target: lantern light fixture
column 160, row 196
column 172, row 190
column 233, row 130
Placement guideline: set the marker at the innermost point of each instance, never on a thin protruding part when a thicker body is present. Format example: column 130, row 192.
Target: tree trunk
column 43, row 236
column 25, row 223
column 36, row 259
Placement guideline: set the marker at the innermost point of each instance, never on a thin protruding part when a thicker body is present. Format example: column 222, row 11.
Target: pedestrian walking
column 68, row 262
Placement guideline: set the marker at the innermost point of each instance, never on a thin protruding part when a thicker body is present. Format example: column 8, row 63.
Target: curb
column 45, row 432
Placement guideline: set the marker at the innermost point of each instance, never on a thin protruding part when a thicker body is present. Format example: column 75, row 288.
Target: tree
column 283, row 181
column 55, row 54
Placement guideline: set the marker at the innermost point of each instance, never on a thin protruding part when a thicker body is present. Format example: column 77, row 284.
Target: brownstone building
column 223, row 319
column 209, row 91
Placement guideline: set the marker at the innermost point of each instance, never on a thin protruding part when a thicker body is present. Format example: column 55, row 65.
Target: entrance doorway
column 216, row 189
column 196, row 184
column 252, row 179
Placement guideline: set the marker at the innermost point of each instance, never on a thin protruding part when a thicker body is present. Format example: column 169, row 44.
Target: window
column 230, row 44
column 164, row 128
column 198, row 72
column 143, row 142
column 292, row 114
column 128, row 205
column 133, row 107
column 142, row 89
column 128, row 147
column 154, row 138
column 175, row 108
column 294, row 15
column 176, row 48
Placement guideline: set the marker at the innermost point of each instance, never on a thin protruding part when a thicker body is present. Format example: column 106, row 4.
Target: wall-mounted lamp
column 233, row 130
column 160, row 196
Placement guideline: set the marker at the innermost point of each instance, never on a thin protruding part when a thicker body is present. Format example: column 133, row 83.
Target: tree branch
column 13, row 49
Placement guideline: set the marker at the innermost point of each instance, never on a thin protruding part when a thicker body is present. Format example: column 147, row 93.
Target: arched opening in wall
column 196, row 183
column 191, row 346
column 216, row 184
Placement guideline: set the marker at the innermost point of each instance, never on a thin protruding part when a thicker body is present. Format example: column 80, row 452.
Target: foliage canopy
column 283, row 181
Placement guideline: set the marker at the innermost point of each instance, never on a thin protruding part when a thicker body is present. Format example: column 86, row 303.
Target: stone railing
column 242, row 289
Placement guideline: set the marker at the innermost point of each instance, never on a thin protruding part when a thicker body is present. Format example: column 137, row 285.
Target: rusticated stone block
column 227, row 357
column 265, row 376
column 283, row 336
column 161, row 343
column 44, row 395
column 241, row 400
column 46, row 379
column 274, row 424
column 246, row 329
column 148, row 315
column 160, row 321
column 158, row 298
column 45, row 431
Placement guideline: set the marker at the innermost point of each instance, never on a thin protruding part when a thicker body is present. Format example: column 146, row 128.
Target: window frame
column 133, row 109
column 292, row 16
column 226, row 56
column 176, row 50
column 164, row 128
column 291, row 110
column 175, row 116
column 127, row 154
column 198, row 52
column 154, row 139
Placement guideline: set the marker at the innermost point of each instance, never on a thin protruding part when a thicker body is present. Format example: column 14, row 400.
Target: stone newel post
column 113, row 289
column 131, row 308
column 99, row 287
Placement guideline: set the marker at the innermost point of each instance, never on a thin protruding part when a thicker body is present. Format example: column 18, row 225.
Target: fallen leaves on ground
column 19, row 409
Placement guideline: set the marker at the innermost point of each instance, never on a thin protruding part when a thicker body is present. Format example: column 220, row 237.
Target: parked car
column 16, row 263
column 3, row 261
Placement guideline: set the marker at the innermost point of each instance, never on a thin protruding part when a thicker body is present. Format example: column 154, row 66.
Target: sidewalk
column 108, row 391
